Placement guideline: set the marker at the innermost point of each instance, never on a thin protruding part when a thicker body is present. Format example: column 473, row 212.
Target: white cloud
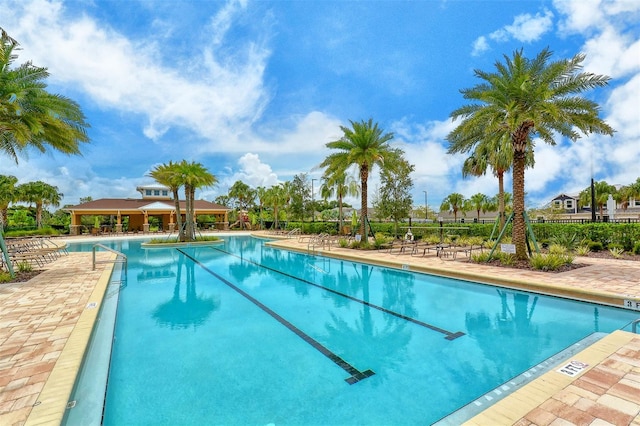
column 216, row 100
column 525, row 28
column 480, row 46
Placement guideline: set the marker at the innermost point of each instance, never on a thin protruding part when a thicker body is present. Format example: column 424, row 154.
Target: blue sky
column 255, row 89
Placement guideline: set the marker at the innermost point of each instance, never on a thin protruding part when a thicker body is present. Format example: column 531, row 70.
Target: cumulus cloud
column 526, row 28
column 215, row 99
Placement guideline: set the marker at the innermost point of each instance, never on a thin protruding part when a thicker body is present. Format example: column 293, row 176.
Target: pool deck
column 45, row 325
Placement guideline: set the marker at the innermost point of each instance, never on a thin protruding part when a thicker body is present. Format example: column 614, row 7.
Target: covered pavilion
column 156, row 201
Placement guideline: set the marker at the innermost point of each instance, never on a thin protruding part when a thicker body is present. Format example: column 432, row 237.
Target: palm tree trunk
column 501, row 206
column 38, row 215
column 364, row 176
column 519, row 233
column 176, row 202
column 519, row 230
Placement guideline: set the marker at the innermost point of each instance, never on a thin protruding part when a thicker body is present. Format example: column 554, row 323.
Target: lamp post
column 313, row 207
column 426, row 206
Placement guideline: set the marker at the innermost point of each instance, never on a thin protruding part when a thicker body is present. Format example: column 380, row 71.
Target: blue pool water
column 239, row 333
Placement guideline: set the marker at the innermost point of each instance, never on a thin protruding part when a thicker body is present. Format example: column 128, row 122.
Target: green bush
column 616, row 252
column 549, row 262
column 5, row 277
column 557, row 249
column 636, row 248
column 596, row 246
column 379, row 240
column 24, row 267
column 615, row 246
column 582, row 250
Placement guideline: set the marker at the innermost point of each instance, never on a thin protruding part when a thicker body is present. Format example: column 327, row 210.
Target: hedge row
column 623, row 234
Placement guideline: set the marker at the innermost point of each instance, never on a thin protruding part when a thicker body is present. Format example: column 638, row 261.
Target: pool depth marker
column 356, row 375
column 448, row 334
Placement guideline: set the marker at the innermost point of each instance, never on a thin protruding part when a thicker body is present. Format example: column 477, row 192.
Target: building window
column 636, row 203
column 165, row 192
column 147, row 192
column 156, row 192
column 568, row 204
column 557, row 204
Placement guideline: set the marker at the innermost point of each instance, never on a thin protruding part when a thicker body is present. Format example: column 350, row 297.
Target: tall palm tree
column 194, row 176
column 41, row 194
column 276, row 197
column 522, row 99
column 453, row 202
column 170, row 176
column 498, row 155
column 8, row 194
column 340, row 185
column 480, row 203
column 261, row 193
column 244, row 197
column 29, row 115
column 364, row 145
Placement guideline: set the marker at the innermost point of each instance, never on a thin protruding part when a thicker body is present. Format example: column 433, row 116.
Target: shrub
column 343, row 242
column 379, row 240
column 5, row 277
column 24, row 267
column 636, row 248
column 549, row 262
column 480, row 257
column 615, row 246
column 506, row 259
column 582, row 250
column 557, row 249
column 595, row 246
column 616, row 252
column 568, row 241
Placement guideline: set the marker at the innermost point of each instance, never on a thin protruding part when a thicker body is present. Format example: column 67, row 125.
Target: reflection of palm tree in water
column 508, row 334
column 388, row 341
column 193, row 311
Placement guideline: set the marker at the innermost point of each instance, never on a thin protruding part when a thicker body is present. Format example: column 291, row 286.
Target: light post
column 313, row 207
column 426, row 206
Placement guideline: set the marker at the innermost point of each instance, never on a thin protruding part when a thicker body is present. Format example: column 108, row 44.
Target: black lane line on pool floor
column 448, row 334
column 356, row 375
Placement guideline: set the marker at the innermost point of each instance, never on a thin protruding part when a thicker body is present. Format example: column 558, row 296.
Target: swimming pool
column 241, row 333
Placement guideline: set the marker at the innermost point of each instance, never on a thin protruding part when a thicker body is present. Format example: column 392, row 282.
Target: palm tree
column 627, row 193
column 29, row 115
column 41, row 194
column 244, row 196
column 602, row 191
column 261, row 193
column 364, row 145
column 170, row 176
column 527, row 98
column 8, row 195
column 453, row 202
column 276, row 197
column 194, row 176
column 498, row 155
column 340, row 185
column 480, row 203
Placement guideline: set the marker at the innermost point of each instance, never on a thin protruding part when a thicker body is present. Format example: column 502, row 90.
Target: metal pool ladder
column 634, row 325
column 120, row 258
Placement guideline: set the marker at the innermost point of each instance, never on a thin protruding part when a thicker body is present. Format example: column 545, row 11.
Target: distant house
column 567, row 206
column 156, row 201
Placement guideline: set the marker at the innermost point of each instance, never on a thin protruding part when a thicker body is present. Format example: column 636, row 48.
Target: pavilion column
column 172, row 225
column 119, row 222
column 75, row 228
column 145, row 225
column 226, row 221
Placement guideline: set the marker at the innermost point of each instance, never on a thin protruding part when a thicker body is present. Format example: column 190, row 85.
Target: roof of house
column 140, row 204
